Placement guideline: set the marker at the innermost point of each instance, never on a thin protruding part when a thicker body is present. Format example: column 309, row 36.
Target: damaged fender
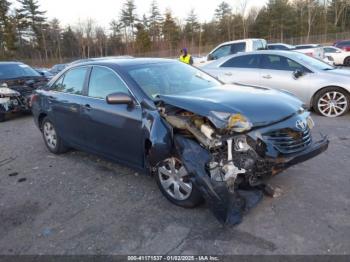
column 227, row 206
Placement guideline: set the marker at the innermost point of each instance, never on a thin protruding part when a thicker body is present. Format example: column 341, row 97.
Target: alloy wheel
column 50, row 135
column 174, row 179
column 332, row 104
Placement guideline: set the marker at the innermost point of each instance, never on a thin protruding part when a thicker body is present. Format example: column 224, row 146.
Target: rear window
column 16, row 70
column 244, row 61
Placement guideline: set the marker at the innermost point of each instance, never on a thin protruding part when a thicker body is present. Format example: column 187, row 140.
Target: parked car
column 280, row 46
column 197, row 136
column 17, row 83
column 345, row 45
column 316, row 51
column 44, row 72
column 319, row 85
column 57, row 68
column 340, row 57
column 233, row 47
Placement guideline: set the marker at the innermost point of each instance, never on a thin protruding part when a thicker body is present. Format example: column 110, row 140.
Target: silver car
column 320, row 86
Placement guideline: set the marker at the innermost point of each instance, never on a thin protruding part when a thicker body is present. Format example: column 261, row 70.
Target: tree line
column 27, row 33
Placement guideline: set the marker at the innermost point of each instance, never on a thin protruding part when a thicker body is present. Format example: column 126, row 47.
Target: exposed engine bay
column 233, row 159
column 229, row 165
column 11, row 101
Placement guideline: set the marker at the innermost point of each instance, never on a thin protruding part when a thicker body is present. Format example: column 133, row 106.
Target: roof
column 125, row 61
column 10, row 63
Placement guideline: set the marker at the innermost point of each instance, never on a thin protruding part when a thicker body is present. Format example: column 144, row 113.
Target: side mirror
column 211, row 57
column 119, row 99
column 42, row 73
column 298, row 73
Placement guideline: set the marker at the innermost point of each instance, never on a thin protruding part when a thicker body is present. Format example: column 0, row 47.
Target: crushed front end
column 231, row 159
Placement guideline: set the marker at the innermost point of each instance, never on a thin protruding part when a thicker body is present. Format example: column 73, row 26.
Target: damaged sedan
column 17, row 83
column 200, row 139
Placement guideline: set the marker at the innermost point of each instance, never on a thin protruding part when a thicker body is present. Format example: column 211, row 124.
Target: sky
column 103, row 11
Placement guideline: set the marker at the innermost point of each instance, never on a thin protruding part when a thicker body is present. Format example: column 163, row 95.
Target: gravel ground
column 79, row 204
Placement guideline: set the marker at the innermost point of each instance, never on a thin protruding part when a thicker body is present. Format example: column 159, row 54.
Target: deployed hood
column 261, row 106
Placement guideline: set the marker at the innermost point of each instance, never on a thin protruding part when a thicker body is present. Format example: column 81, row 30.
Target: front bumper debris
column 228, row 206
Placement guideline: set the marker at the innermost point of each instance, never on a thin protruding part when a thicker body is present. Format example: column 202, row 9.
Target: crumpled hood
column 261, row 106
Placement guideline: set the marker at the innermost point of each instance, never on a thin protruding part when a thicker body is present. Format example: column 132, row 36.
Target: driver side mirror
column 298, row 73
column 211, row 57
column 119, row 99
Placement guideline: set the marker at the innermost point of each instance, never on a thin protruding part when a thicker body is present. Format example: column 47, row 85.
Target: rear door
column 65, row 98
column 242, row 69
column 277, row 72
column 112, row 130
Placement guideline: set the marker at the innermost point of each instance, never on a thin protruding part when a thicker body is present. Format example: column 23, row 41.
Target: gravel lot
column 79, row 204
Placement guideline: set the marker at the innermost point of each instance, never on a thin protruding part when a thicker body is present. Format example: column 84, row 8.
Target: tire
column 52, row 140
column 347, row 61
column 188, row 196
column 331, row 102
column 2, row 117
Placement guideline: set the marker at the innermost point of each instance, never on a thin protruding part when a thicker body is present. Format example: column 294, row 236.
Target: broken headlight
column 235, row 122
column 239, row 123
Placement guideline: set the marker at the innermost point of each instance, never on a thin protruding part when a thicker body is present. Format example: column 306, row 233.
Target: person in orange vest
column 185, row 57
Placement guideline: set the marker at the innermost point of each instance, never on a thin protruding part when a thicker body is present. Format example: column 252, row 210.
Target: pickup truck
column 231, row 48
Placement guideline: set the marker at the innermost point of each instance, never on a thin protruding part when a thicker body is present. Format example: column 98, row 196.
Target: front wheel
column 52, row 140
column 331, row 102
column 174, row 182
column 347, row 61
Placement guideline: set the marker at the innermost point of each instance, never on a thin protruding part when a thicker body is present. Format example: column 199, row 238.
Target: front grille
column 289, row 141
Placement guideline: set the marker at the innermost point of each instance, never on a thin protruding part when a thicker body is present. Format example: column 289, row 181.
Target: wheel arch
column 41, row 118
column 346, row 58
column 323, row 88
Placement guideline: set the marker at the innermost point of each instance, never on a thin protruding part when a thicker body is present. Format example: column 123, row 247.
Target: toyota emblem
column 301, row 125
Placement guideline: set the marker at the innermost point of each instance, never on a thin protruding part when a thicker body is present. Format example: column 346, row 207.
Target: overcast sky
column 103, row 11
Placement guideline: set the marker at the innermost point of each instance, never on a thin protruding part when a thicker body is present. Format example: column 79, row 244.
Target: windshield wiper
column 328, row 69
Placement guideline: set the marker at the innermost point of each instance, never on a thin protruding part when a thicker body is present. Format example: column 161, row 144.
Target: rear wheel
column 174, row 182
column 331, row 102
column 52, row 140
column 347, row 61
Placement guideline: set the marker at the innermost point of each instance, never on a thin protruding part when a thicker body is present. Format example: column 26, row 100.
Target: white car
column 339, row 56
column 231, row 48
column 319, row 85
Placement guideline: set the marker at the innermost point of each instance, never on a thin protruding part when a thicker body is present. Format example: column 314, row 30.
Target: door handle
column 267, row 76
column 228, row 74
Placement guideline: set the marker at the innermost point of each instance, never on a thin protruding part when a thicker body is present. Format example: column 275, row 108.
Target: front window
column 230, row 49
column 104, row 82
column 170, row 78
column 8, row 71
column 276, row 62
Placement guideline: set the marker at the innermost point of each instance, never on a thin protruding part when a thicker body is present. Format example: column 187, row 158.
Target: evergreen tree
column 155, row 20
column 192, row 27
column 171, row 31
column 7, row 30
column 143, row 41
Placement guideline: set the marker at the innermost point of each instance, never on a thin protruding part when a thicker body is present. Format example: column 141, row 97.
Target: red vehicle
column 345, row 45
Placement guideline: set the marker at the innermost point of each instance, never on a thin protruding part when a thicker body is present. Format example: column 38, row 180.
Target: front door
column 112, row 130
column 277, row 73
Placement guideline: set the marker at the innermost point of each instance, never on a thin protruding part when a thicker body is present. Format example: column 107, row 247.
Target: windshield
column 16, row 70
column 313, row 62
column 170, row 78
